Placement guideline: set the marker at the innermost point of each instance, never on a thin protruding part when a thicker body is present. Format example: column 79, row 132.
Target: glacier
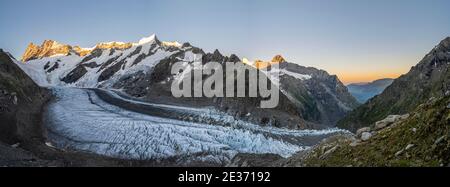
column 77, row 119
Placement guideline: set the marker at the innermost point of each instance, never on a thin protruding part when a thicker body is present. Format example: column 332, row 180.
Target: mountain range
column 310, row 98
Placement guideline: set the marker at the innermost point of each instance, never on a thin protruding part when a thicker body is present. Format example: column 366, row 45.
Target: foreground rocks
column 389, row 120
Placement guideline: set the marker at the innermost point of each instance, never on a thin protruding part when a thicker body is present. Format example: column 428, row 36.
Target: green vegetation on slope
column 429, row 78
column 421, row 140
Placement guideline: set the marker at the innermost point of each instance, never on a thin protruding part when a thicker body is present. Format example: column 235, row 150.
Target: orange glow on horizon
column 349, row 78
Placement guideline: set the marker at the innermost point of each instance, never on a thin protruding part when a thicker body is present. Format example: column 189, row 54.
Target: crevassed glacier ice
column 79, row 120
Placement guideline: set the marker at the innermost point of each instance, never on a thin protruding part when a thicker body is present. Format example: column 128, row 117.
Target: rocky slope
column 419, row 139
column 429, row 78
column 364, row 91
column 309, row 98
column 320, row 97
column 21, row 102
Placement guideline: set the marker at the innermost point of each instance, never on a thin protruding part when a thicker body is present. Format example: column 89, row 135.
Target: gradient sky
column 359, row 40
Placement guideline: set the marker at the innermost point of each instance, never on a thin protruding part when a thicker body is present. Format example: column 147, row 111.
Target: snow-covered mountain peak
column 152, row 38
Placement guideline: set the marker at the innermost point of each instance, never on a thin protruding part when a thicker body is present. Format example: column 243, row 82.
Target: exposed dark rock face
column 136, row 84
column 21, row 102
column 322, row 98
column 135, row 52
column 142, row 56
column 94, row 54
column 110, row 71
column 139, row 58
column 108, row 62
column 75, row 74
column 234, row 58
column 55, row 66
column 213, row 57
column 429, row 78
column 91, row 65
column 47, row 65
column 185, row 45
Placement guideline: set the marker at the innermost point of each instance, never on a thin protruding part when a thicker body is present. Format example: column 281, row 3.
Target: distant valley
column 364, row 91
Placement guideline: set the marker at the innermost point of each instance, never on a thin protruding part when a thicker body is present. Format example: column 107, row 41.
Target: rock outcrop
column 259, row 64
column 48, row 48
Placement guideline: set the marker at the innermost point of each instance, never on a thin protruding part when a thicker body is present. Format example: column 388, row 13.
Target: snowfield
column 79, row 120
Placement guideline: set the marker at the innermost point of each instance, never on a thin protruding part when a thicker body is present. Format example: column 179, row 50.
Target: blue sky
column 359, row 40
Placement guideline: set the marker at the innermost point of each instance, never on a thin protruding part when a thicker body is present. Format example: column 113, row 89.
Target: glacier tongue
column 79, row 120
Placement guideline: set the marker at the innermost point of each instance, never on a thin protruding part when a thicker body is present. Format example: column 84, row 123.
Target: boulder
column 366, row 136
column 389, row 120
column 362, row 130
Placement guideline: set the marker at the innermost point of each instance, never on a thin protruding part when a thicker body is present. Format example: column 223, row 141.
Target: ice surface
column 79, row 120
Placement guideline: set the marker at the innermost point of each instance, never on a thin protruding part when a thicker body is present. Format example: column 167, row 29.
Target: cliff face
column 48, row 48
